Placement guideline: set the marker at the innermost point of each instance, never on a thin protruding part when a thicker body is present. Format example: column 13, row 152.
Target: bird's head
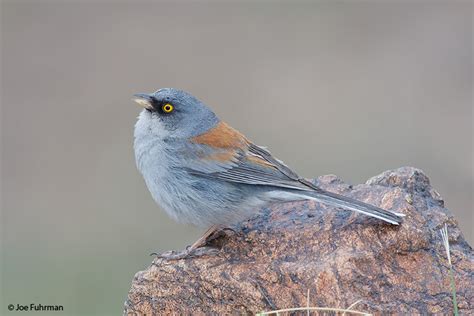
column 174, row 113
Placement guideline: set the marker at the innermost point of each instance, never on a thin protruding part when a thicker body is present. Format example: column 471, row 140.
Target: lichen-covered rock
column 271, row 261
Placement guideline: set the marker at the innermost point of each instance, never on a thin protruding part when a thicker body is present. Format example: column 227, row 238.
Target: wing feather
column 249, row 165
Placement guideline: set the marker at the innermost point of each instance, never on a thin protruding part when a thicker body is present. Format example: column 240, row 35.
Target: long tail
column 352, row 204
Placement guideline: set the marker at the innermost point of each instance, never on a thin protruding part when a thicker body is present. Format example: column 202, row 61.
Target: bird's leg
column 192, row 250
column 204, row 238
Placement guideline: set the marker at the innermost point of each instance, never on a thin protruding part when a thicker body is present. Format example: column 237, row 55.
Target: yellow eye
column 167, row 108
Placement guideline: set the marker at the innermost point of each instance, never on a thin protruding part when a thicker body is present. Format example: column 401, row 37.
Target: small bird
column 203, row 172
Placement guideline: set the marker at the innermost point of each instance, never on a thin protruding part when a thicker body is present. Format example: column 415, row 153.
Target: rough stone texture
column 272, row 260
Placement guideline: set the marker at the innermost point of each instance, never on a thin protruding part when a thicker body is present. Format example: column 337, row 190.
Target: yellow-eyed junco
column 201, row 171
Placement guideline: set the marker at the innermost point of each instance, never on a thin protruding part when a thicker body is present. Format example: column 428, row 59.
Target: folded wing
column 225, row 154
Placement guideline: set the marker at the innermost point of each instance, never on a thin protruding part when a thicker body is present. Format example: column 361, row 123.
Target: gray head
column 175, row 113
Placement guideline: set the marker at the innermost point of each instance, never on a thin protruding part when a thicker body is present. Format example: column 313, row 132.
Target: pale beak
column 144, row 100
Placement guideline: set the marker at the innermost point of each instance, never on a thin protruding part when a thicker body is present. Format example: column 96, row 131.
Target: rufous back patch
column 222, row 136
column 222, row 156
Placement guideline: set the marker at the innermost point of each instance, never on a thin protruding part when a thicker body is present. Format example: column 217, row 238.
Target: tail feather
column 354, row 205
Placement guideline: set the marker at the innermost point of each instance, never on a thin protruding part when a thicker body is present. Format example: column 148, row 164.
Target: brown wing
column 239, row 160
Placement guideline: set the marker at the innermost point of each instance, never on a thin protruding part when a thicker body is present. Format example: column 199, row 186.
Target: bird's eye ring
column 167, row 108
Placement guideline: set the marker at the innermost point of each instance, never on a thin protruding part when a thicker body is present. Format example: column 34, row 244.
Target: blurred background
column 351, row 89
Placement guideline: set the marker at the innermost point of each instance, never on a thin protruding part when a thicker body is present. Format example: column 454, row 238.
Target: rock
column 272, row 260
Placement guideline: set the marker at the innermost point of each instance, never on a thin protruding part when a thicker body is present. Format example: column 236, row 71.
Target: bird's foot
column 186, row 254
column 198, row 248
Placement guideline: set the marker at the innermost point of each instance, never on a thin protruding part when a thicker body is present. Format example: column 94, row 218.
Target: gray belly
column 203, row 202
column 192, row 199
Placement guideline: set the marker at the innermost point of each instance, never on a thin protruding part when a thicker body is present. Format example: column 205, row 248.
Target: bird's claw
column 185, row 254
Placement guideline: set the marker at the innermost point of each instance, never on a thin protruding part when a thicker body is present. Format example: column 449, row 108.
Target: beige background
column 350, row 89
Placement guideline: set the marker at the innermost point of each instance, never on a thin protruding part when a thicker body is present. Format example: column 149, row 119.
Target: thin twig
column 351, row 306
column 321, row 309
column 444, row 236
column 307, row 302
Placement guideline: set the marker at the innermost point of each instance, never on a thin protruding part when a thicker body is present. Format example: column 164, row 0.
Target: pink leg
column 193, row 249
column 203, row 239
